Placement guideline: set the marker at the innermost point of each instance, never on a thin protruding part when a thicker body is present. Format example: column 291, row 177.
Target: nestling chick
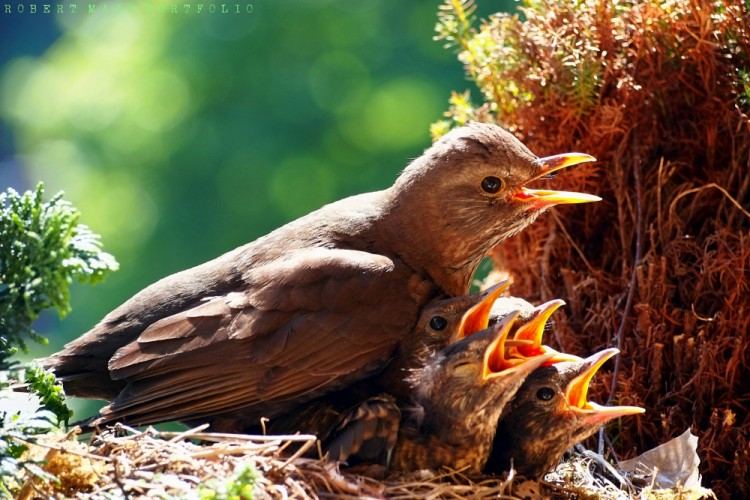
column 548, row 415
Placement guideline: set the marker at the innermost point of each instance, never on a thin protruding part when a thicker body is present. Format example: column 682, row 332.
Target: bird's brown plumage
column 449, row 420
column 440, row 323
column 315, row 305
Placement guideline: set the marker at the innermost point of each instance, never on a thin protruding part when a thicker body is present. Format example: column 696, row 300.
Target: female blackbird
column 317, row 304
column 450, row 420
column 548, row 415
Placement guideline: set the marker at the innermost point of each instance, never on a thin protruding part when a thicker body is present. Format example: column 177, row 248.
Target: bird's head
column 471, row 380
column 441, row 322
column 551, row 412
column 471, row 190
column 445, row 321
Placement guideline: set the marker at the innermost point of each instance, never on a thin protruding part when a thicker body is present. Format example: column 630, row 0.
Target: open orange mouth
column 496, row 360
column 478, row 317
column 577, row 390
column 533, row 331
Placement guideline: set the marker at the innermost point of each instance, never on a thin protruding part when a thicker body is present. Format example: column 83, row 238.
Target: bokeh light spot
column 394, row 117
column 339, row 81
column 300, row 185
column 160, row 100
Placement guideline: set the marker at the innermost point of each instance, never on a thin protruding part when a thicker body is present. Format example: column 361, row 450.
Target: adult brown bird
column 549, row 414
column 450, row 419
column 318, row 303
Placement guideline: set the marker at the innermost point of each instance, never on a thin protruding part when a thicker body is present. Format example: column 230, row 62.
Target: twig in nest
column 218, row 436
column 188, row 433
column 299, row 452
column 59, row 447
column 599, row 459
column 118, row 479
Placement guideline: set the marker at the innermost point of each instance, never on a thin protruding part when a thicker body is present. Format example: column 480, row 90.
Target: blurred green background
column 182, row 136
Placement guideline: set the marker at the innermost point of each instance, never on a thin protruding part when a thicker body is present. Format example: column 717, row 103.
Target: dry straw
column 128, row 463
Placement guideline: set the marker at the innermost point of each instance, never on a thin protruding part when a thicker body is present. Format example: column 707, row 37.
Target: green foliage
column 6, row 353
column 19, row 429
column 742, row 84
column 455, row 20
column 42, row 249
column 238, row 487
column 504, row 57
column 44, row 384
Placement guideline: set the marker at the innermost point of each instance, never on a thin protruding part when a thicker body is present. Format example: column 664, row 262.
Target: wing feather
column 311, row 322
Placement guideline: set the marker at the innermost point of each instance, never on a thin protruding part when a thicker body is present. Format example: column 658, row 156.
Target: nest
column 659, row 93
column 126, row 463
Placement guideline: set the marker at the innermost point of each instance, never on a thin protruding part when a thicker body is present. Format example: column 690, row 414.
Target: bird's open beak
column 545, row 198
column 477, row 318
column 496, row 360
column 577, row 390
column 533, row 331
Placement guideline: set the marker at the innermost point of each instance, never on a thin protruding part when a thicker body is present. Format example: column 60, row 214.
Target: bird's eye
column 491, row 184
column 463, row 369
column 438, row 323
column 545, row 393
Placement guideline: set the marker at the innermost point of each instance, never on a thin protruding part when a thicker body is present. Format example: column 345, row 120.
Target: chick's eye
column 545, row 393
column 491, row 184
column 464, row 369
column 438, row 323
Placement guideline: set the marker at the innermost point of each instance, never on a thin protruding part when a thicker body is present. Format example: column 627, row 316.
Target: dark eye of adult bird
column 545, row 393
column 491, row 184
column 438, row 323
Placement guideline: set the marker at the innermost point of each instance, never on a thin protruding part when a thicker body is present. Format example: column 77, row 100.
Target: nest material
column 659, row 92
column 126, row 463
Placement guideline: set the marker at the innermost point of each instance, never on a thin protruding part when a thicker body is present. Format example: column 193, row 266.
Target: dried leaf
column 672, row 464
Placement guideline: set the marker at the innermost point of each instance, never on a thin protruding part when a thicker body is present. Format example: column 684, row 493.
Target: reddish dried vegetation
column 659, row 92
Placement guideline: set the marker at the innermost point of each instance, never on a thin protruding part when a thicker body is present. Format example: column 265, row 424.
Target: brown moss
column 657, row 91
column 75, row 472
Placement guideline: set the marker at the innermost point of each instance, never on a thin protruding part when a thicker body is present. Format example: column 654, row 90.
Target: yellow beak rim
column 577, row 390
column 477, row 318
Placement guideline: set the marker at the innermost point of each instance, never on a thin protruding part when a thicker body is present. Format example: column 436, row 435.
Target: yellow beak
column 546, row 198
column 478, row 317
